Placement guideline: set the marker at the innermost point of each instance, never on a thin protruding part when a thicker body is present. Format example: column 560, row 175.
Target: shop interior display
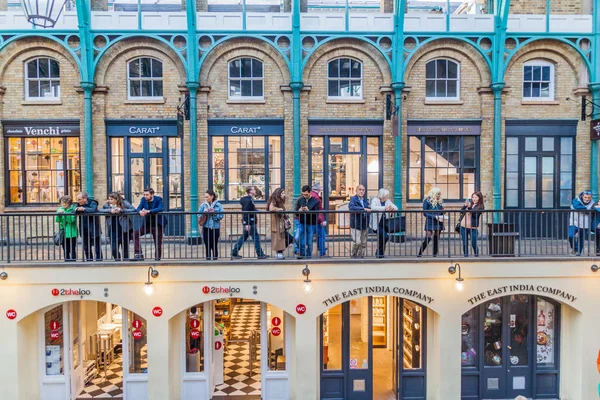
column 492, row 333
column 223, row 310
column 469, row 331
column 411, row 323
column 379, row 321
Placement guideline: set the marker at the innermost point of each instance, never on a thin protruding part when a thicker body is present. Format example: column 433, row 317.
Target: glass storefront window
column 469, row 335
column 519, row 329
column 118, row 165
column 492, row 333
column 194, row 339
column 54, row 341
column 412, row 324
column 447, row 162
column 175, row 173
column 138, row 344
column 359, row 334
column 316, row 148
column 545, row 338
column 332, row 338
column 277, row 353
column 42, row 169
column 244, row 161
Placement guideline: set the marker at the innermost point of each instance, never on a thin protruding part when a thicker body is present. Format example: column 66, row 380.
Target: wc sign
column 11, row 314
column 137, row 334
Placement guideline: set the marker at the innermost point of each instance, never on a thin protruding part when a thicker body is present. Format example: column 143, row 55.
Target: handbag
column 287, row 224
column 395, row 224
column 203, row 219
column 458, row 226
column 59, row 237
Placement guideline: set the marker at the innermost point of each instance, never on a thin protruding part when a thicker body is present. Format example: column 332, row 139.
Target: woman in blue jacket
column 211, row 228
column 434, row 219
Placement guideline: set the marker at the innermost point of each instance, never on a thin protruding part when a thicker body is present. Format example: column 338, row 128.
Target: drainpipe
column 296, row 85
column 595, row 89
column 497, row 195
column 193, row 85
column 398, row 85
column 88, row 85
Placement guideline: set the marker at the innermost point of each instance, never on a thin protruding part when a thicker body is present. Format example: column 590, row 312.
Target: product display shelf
column 379, row 321
column 90, row 371
column 411, row 332
column 223, row 310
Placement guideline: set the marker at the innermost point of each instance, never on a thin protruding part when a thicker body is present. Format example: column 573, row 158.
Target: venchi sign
column 20, row 128
column 501, row 290
column 367, row 290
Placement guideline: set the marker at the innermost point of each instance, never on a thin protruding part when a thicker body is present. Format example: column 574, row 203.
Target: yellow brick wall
column 539, row 7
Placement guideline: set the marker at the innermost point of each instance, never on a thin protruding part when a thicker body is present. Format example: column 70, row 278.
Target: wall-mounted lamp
column 148, row 288
column 3, row 275
column 459, row 281
column 307, row 284
column 594, row 269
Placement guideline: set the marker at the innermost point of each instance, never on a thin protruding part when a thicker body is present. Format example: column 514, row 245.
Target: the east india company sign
column 368, row 290
column 539, row 289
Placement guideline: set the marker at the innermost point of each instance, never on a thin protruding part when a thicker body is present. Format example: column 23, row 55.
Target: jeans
column 157, row 236
column 211, row 241
column 298, row 231
column 464, row 235
column 88, row 240
column 306, row 239
column 576, row 242
column 321, row 237
column 359, row 240
column 255, row 235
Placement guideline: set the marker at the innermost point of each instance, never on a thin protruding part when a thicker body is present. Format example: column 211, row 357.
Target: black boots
column 426, row 242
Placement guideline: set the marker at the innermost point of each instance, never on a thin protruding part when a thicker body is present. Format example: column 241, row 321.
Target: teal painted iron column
column 296, row 85
column 193, row 85
column 397, row 86
column 595, row 89
column 497, row 194
column 87, row 84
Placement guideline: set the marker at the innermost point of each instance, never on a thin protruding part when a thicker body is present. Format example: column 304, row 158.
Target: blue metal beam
column 296, row 85
column 397, row 86
column 595, row 89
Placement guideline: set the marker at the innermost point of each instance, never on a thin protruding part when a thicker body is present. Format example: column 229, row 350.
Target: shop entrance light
column 148, row 288
column 459, row 281
column 43, row 13
column 307, row 284
column 594, row 268
column 3, row 275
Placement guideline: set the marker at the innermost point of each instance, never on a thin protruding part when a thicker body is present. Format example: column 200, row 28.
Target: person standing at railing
column 67, row 222
column 579, row 220
column 149, row 207
column 307, row 209
column 249, row 224
column 211, row 223
column 359, row 222
column 470, row 222
column 89, row 226
column 280, row 223
column 119, row 225
column 596, row 225
column 434, row 220
column 383, row 205
column 321, row 222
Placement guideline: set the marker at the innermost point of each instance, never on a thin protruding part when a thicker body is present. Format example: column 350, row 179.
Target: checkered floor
column 238, row 379
column 112, row 386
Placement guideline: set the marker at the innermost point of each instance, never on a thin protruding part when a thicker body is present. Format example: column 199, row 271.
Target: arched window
column 442, row 80
column 246, row 78
column 145, row 78
column 42, row 79
column 344, row 76
column 538, row 80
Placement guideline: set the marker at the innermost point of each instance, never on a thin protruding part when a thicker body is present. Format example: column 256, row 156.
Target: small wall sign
column 276, row 331
column 276, row 321
column 300, row 309
column 137, row 324
column 11, row 314
column 137, row 334
column 157, row 311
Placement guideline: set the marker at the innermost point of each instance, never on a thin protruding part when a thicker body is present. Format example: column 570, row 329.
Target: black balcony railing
column 29, row 238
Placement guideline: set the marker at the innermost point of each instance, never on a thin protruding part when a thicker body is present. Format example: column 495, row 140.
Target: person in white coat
column 381, row 207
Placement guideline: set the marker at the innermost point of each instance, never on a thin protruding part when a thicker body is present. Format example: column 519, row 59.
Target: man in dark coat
column 359, row 221
column 89, row 226
column 249, row 224
column 307, row 208
column 149, row 207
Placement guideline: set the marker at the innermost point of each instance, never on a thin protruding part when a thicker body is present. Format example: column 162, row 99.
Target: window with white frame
column 246, row 78
column 442, row 80
column 344, row 78
column 42, row 79
column 145, row 78
column 538, row 80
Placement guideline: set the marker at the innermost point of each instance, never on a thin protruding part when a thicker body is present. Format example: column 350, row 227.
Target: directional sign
column 276, row 321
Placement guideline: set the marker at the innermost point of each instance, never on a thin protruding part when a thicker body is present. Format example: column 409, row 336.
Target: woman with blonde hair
column 434, row 219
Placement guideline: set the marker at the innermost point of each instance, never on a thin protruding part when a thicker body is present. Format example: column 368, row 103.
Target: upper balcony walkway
column 26, row 239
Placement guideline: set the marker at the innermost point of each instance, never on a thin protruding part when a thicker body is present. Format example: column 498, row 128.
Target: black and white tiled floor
column 238, row 379
column 112, row 386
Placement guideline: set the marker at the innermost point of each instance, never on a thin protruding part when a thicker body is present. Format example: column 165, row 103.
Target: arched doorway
column 510, row 347
column 373, row 348
column 92, row 350
column 235, row 348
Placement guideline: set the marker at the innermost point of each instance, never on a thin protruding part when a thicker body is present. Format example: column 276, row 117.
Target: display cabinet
column 379, row 321
column 411, row 327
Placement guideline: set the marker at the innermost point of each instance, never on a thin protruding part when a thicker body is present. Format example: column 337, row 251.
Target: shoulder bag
column 59, row 237
column 203, row 219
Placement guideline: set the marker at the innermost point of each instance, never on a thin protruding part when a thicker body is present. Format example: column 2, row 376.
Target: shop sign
column 55, row 335
column 220, row 290
column 160, row 127
column 137, row 324
column 194, row 323
column 241, row 127
column 389, row 290
column 40, row 128
column 276, row 321
column 595, row 129
column 11, row 314
column 54, row 325
column 195, row 334
column 218, row 345
column 137, row 334
column 345, row 128
column 436, row 128
column 157, row 311
column 276, row 331
column 70, row 292
column 300, row 308
column 503, row 290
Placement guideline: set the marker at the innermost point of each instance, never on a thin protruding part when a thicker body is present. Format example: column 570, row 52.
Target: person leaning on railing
column 359, row 222
column 596, row 225
column 307, row 208
column 434, row 219
column 149, row 208
column 470, row 222
column 89, row 226
column 67, row 222
column 211, row 224
column 383, row 205
column 579, row 220
column 118, row 224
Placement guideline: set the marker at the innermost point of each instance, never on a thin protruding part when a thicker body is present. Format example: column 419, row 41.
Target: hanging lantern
column 44, row 13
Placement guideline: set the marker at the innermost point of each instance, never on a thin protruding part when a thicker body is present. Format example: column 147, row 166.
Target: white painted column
column 306, row 369
column 158, row 354
column 449, row 339
column 9, row 379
